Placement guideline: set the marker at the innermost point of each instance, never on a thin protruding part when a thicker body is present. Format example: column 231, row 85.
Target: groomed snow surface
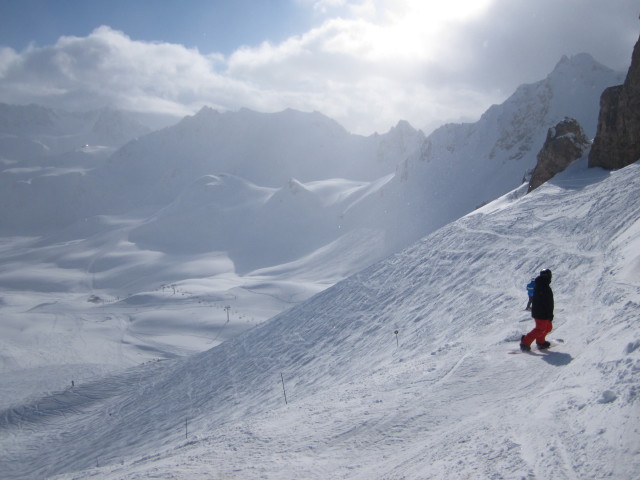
column 441, row 399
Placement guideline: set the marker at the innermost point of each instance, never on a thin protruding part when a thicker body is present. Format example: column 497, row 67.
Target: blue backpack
column 530, row 286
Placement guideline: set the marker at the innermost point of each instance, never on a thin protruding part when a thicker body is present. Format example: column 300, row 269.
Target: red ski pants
column 543, row 327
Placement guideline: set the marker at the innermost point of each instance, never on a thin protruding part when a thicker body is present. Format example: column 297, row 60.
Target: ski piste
column 534, row 350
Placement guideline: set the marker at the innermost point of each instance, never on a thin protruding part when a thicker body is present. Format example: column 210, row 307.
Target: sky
column 365, row 63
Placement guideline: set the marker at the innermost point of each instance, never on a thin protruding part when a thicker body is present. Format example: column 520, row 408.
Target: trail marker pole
column 227, row 308
column 397, row 342
column 186, row 431
column 284, row 390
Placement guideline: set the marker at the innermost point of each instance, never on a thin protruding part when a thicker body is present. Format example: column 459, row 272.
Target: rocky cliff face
column 617, row 141
column 565, row 143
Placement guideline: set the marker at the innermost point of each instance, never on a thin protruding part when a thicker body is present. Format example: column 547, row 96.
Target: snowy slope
column 94, row 281
column 110, row 292
column 441, row 399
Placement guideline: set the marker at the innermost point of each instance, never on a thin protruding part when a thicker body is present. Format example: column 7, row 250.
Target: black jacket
column 542, row 302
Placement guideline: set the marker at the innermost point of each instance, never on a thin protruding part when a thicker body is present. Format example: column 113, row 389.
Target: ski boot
column 543, row 345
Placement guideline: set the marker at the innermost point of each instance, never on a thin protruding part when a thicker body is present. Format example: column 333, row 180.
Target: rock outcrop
column 617, row 141
column 565, row 143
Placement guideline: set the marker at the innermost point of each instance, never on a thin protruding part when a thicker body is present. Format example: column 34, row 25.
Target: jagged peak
column 206, row 111
column 203, row 116
column 577, row 62
column 403, row 126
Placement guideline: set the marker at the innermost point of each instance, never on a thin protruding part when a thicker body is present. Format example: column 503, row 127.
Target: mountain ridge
column 490, row 157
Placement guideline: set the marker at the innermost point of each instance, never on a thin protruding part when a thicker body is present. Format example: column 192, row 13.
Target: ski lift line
column 227, row 309
column 283, row 389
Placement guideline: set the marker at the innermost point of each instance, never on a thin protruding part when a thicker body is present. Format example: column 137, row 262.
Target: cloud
column 367, row 63
column 517, row 41
column 108, row 68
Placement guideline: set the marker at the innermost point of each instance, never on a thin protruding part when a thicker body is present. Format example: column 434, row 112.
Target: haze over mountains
column 269, row 150
column 246, row 205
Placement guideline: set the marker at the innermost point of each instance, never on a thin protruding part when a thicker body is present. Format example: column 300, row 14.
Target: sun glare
column 410, row 28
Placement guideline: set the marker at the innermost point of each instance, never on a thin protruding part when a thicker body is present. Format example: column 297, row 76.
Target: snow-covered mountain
column 462, row 166
column 59, row 131
column 265, row 149
column 483, row 160
column 226, row 209
column 400, row 371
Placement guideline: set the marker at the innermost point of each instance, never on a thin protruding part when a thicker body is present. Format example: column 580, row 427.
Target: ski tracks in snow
column 358, row 429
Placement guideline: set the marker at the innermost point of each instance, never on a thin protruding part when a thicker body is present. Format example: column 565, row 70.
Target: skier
column 530, row 286
column 542, row 313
